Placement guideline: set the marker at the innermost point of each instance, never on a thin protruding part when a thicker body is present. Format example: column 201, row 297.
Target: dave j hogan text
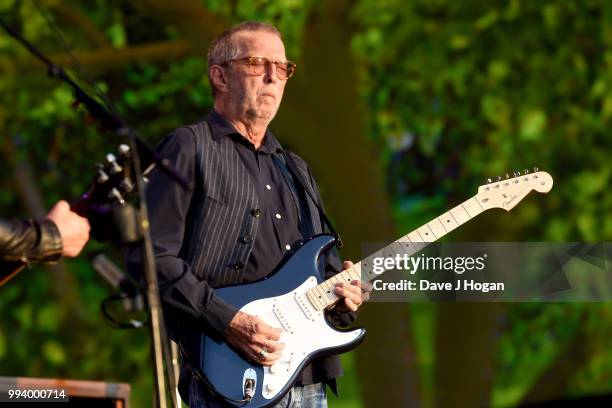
column 467, row 285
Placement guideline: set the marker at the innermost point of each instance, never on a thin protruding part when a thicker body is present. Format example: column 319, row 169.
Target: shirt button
column 278, row 216
column 247, row 238
column 288, row 247
column 268, row 187
column 238, row 265
column 256, row 212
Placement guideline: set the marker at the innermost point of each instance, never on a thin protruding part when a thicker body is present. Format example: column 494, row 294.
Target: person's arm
column 168, row 204
column 30, row 240
column 62, row 232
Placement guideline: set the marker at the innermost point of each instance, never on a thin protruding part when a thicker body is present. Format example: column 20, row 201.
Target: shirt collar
column 221, row 127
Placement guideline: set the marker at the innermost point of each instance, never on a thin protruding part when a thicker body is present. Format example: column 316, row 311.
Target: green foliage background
column 454, row 92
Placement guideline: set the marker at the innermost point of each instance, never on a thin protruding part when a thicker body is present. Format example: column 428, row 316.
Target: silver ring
column 262, row 354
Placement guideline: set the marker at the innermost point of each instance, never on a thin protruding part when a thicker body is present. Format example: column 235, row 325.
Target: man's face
column 257, row 96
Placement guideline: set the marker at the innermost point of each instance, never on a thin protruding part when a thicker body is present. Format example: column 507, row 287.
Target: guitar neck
column 323, row 296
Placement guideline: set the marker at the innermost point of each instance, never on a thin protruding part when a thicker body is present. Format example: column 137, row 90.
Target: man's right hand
column 251, row 335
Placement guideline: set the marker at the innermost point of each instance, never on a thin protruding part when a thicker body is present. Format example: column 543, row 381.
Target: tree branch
column 190, row 18
column 79, row 21
column 108, row 59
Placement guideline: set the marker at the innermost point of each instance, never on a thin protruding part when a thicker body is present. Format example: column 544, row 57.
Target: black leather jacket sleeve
column 29, row 240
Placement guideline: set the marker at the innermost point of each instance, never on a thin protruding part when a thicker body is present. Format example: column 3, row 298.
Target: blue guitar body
column 280, row 300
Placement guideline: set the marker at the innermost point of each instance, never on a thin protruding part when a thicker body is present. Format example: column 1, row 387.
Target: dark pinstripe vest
column 224, row 208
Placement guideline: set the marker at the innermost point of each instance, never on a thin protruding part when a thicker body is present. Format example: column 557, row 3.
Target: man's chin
column 262, row 113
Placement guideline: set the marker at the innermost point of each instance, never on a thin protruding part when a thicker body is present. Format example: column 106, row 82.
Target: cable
column 104, row 308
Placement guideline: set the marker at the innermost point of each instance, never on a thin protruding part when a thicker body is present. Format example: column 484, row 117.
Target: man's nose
column 270, row 76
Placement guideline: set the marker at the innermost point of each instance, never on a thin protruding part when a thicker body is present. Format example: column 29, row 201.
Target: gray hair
column 223, row 48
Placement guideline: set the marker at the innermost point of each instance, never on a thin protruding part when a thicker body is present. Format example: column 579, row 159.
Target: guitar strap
column 297, row 175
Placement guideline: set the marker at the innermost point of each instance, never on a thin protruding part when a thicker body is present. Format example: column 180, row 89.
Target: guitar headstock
column 111, row 184
column 508, row 192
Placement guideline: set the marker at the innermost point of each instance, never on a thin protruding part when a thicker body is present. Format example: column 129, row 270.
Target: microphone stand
column 113, row 122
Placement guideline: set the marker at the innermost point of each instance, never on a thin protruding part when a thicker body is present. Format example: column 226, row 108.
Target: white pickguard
column 304, row 331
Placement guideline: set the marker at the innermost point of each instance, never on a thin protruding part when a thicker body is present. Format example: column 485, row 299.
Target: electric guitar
column 295, row 298
column 111, row 184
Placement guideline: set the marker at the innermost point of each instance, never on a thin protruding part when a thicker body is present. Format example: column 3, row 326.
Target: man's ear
column 218, row 78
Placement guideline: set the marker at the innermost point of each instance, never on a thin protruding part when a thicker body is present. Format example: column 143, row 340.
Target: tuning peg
column 114, row 166
column 127, row 185
column 489, row 180
column 507, row 176
column 526, row 171
column 516, row 173
column 102, row 177
column 498, row 178
column 535, row 169
column 124, row 150
column 114, row 194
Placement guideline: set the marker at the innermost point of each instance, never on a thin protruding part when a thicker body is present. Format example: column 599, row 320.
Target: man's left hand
column 354, row 294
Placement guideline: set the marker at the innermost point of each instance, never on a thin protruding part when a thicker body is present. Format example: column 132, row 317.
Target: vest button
column 256, row 212
column 247, row 238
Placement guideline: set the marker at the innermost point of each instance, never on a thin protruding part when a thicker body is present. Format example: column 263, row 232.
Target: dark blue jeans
column 304, row 396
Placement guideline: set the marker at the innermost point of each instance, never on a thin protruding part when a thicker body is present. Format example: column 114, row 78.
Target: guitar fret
column 413, row 246
column 319, row 296
column 353, row 273
column 320, row 292
column 327, row 285
column 330, row 291
column 367, row 263
column 460, row 213
column 448, row 221
column 397, row 248
column 329, row 294
column 314, row 300
column 414, row 236
column 437, row 228
column 470, row 204
column 428, row 233
column 344, row 275
column 324, row 296
column 442, row 224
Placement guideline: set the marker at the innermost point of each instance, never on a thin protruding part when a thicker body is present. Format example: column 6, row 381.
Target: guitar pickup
column 282, row 318
column 305, row 306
